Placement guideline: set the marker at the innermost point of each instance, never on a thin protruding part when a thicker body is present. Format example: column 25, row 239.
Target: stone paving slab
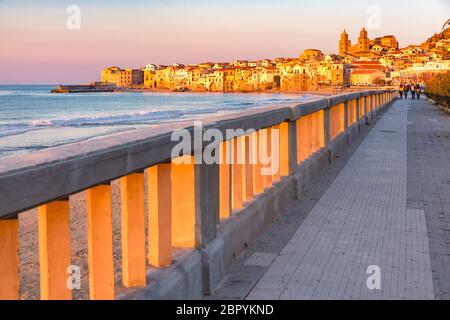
column 428, row 187
column 361, row 220
column 244, row 274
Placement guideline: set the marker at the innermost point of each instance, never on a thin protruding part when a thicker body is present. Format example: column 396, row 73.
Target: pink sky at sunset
column 37, row 47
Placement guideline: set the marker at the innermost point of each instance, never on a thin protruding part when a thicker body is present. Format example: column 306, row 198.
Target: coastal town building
column 122, row 77
column 311, row 54
column 368, row 62
column 333, row 71
column 422, row 72
column 366, row 47
column 367, row 77
column 137, row 76
column 117, row 76
column 149, row 79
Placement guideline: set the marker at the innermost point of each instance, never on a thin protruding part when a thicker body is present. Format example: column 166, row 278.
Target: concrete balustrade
column 160, row 215
column 9, row 255
column 100, row 245
column 284, row 149
column 133, row 230
column 225, row 180
column 238, row 178
column 258, row 179
column 208, row 211
column 184, row 203
column 337, row 120
column 248, row 167
column 267, row 137
column 54, row 250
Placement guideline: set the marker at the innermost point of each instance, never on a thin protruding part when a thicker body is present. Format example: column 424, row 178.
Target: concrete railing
column 190, row 205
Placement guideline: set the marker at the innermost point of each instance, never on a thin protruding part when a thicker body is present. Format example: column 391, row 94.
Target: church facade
column 365, row 46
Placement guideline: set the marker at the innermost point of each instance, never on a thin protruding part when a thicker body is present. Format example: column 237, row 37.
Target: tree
column 438, row 89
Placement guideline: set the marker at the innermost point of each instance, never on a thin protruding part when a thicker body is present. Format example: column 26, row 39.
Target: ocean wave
column 301, row 98
column 140, row 117
column 7, row 92
column 145, row 116
column 100, row 120
column 11, row 130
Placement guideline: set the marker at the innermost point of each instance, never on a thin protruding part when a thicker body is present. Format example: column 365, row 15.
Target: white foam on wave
column 7, row 92
column 122, row 119
column 41, row 123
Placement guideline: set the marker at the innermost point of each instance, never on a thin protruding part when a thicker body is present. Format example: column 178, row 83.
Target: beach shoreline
column 26, row 126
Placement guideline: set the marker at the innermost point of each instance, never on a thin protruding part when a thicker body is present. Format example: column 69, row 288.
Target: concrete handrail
column 75, row 167
column 186, row 202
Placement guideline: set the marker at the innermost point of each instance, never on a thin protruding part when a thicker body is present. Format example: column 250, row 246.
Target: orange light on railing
column 9, row 257
column 284, row 149
column 247, row 183
column 176, row 206
column 183, row 203
column 100, row 247
column 258, row 179
column 275, row 160
column 337, row 125
column 54, row 250
column 267, row 176
column 133, row 230
column 237, row 178
column 159, row 215
column 225, row 180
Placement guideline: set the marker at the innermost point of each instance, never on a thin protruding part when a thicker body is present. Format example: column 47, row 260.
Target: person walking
column 413, row 91
column 406, row 90
column 400, row 90
column 418, row 92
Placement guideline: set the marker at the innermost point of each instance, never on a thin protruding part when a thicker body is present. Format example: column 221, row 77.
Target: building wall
column 117, row 76
column 365, row 44
column 149, row 79
column 366, row 78
column 137, row 76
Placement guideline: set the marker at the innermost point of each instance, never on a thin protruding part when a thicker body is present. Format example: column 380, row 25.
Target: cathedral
column 365, row 46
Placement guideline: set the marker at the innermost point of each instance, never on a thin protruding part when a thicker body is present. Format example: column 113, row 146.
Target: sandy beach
column 29, row 249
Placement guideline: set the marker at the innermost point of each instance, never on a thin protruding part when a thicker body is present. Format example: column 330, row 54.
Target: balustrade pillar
column 9, row 259
column 133, row 230
column 54, row 250
column 258, row 178
column 225, row 179
column 159, row 186
column 100, row 246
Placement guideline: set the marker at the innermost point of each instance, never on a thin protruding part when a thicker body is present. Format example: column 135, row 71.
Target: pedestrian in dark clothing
column 400, row 90
column 418, row 92
column 413, row 91
column 406, row 90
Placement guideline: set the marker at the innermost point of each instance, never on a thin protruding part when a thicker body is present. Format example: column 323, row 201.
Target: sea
column 32, row 118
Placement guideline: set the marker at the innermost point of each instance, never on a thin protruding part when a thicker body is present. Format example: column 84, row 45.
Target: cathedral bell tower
column 344, row 43
column 363, row 41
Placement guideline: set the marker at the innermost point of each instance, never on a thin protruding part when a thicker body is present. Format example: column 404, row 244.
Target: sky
column 37, row 47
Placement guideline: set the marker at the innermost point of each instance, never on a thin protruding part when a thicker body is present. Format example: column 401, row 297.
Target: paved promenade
column 384, row 202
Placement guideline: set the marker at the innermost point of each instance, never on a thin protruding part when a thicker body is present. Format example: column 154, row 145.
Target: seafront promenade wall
column 200, row 216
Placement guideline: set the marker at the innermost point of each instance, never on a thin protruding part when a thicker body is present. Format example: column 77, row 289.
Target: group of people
column 415, row 89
